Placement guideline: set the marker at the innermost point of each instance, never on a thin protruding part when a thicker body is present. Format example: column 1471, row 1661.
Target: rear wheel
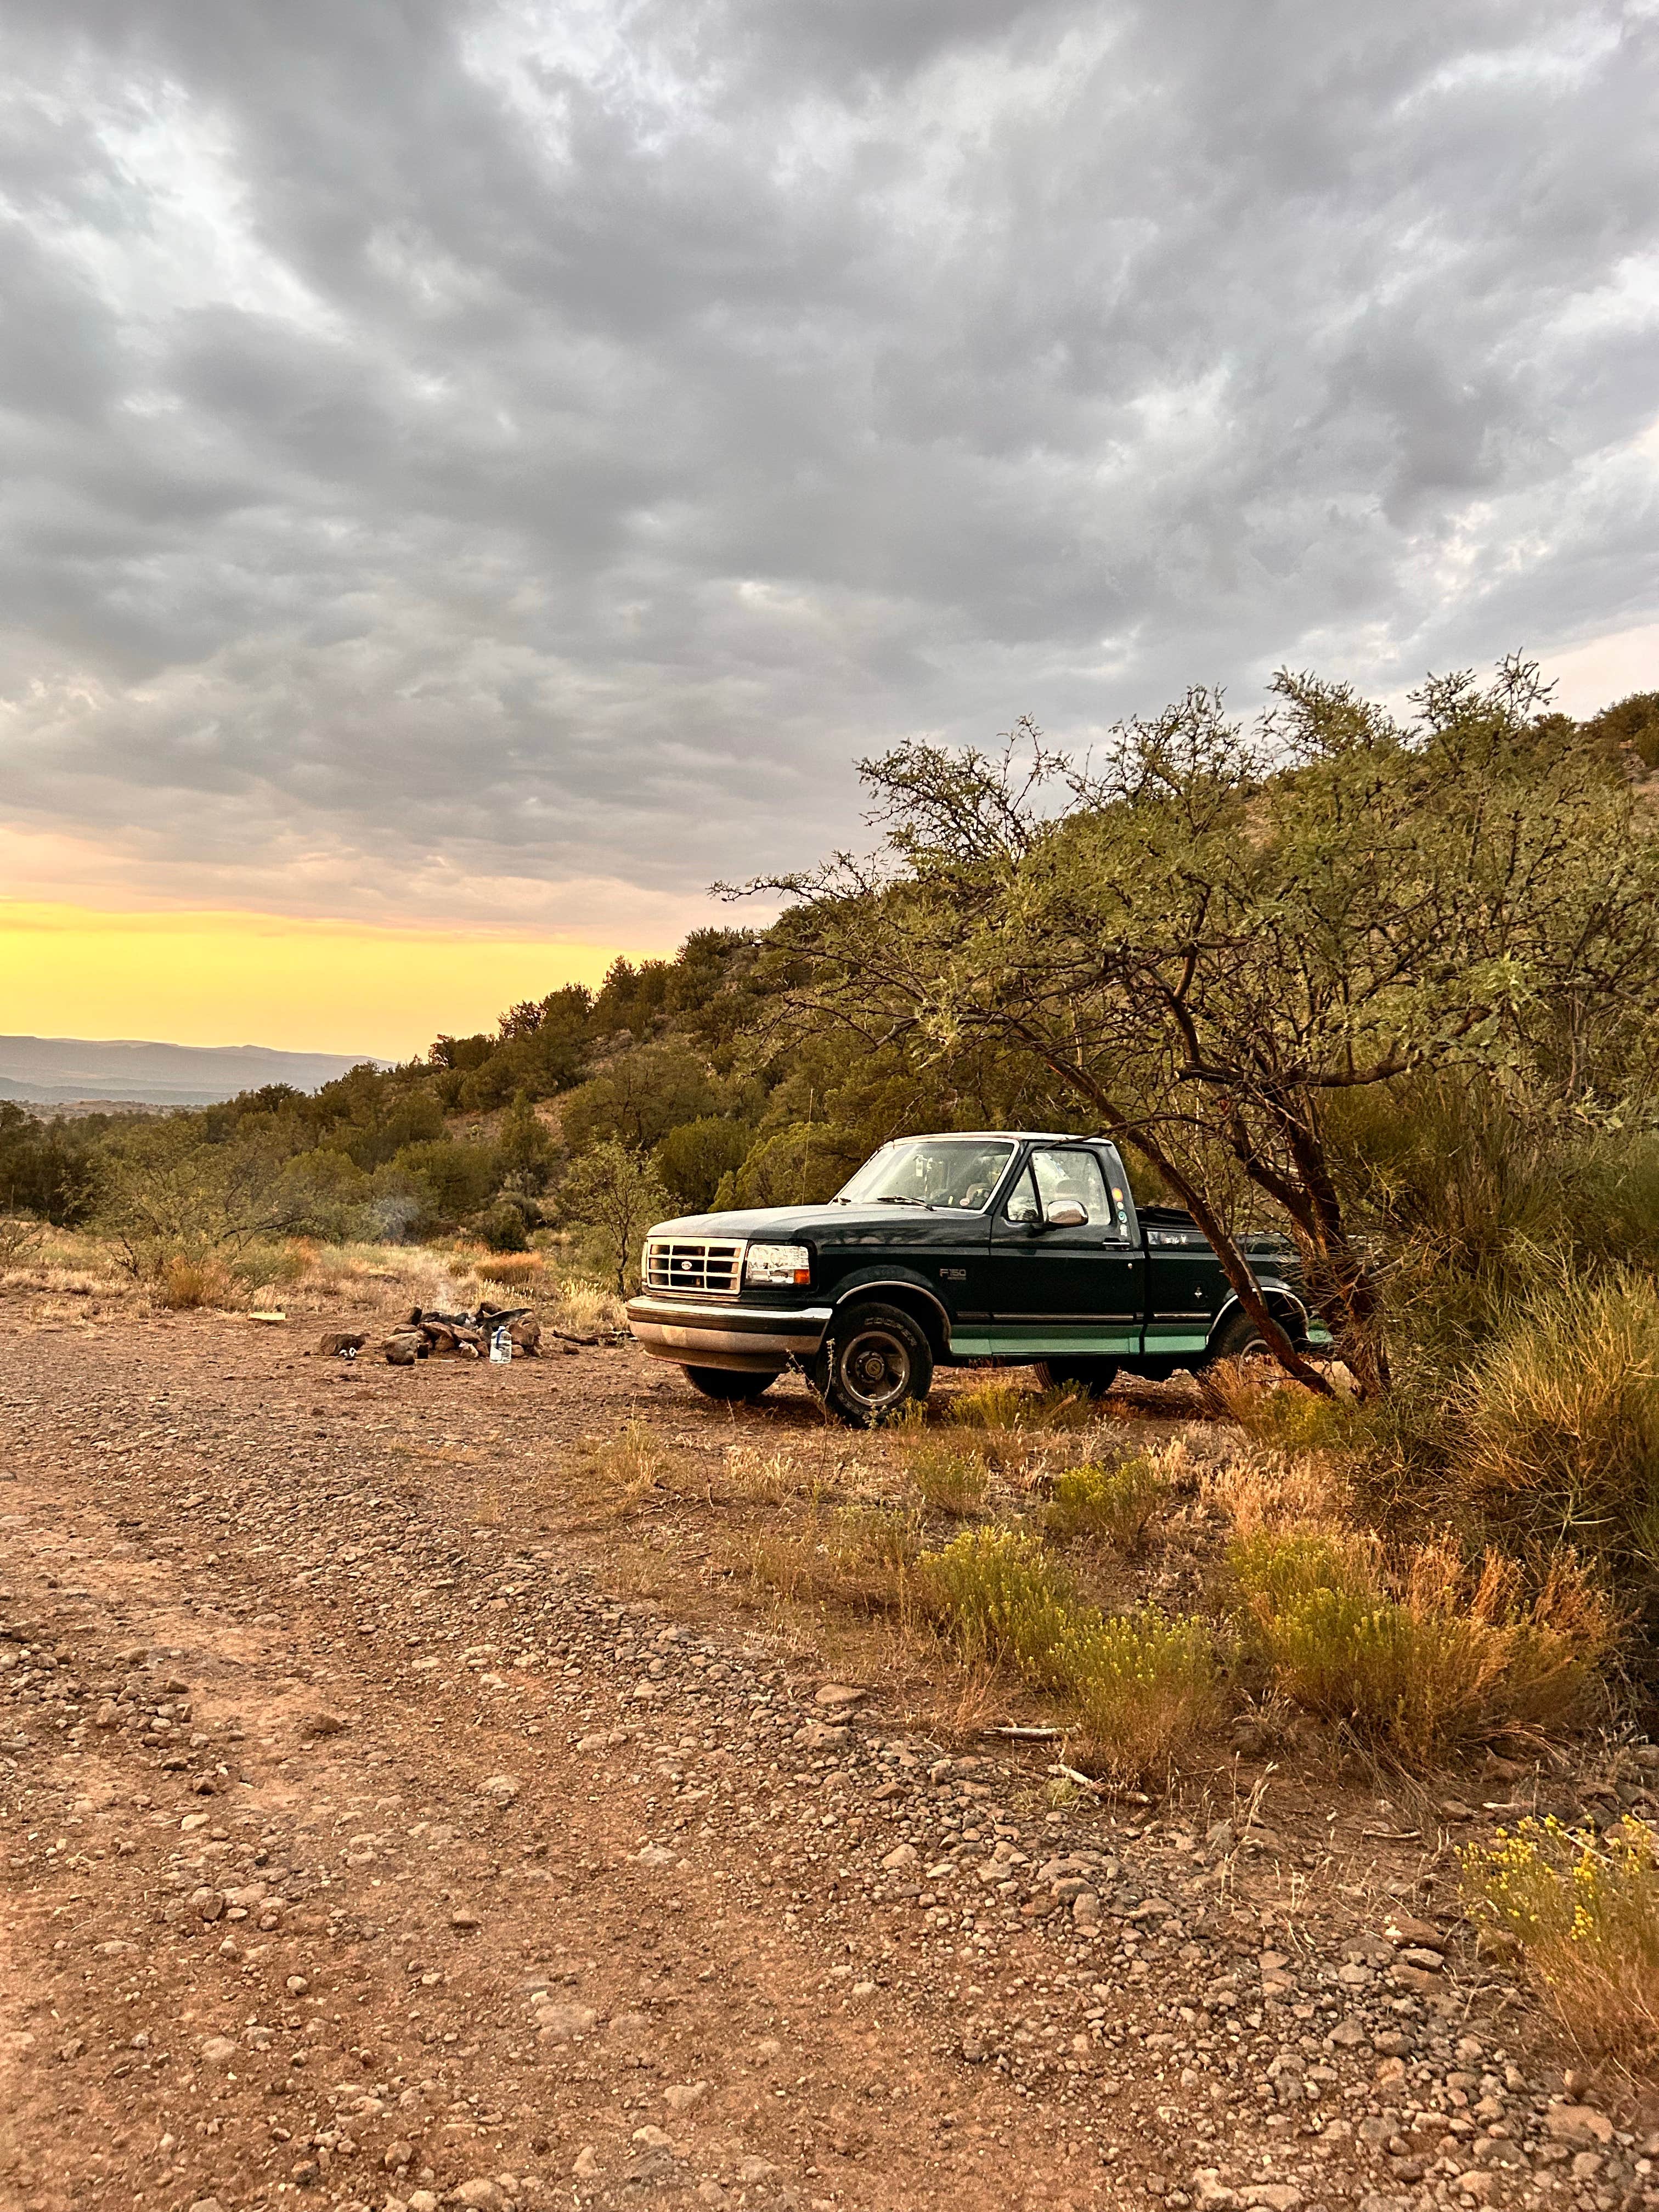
column 1095, row 1378
column 1238, row 1337
column 875, row 1361
column 728, row 1383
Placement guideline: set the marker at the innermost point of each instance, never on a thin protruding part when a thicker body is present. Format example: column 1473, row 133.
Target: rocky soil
column 369, row 1840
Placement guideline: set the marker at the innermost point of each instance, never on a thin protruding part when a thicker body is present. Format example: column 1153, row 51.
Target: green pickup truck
column 1008, row 1248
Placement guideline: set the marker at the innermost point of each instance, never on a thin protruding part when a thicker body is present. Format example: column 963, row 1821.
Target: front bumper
column 751, row 1339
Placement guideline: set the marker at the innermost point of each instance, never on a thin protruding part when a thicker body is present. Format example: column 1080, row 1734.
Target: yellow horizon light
column 211, row 978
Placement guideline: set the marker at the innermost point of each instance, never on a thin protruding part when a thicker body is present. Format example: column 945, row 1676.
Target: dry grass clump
column 364, row 1274
column 66, row 1263
column 632, row 1464
column 999, row 1404
column 1561, row 1419
column 585, row 1308
column 1113, row 1504
column 753, row 1477
column 1585, row 1911
column 513, row 1270
column 1424, row 1662
column 856, row 1557
column 184, row 1283
column 1146, row 1687
column 1271, row 1490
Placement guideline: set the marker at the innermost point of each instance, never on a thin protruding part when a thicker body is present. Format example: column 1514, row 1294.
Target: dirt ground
column 385, row 1821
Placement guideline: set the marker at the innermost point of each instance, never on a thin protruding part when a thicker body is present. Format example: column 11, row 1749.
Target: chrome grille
column 695, row 1266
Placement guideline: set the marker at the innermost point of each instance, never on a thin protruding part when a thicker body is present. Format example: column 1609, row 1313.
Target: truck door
column 1186, row 1289
column 1067, row 1285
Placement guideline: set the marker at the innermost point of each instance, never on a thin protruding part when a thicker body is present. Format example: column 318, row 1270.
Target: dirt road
column 362, row 1842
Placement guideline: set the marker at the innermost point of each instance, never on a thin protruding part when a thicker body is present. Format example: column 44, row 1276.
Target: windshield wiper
column 896, row 1200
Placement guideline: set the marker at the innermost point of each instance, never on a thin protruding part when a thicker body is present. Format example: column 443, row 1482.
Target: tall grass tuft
column 185, row 1283
column 633, row 1464
column 586, row 1309
column 947, row 1476
column 1145, row 1686
column 1113, row 1504
column 1561, row 1420
column 1423, row 1664
column 1585, row 1911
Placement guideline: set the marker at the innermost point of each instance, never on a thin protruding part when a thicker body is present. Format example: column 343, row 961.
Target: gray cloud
column 539, row 445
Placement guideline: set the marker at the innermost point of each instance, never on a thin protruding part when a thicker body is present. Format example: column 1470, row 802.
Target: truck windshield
column 957, row 1171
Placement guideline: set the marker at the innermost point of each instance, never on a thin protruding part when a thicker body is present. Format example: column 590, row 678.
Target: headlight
column 778, row 1263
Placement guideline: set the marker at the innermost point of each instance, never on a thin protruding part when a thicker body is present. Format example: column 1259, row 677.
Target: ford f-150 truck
column 1009, row 1248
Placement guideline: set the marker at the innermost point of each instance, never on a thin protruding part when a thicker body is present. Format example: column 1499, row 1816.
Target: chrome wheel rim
column 875, row 1369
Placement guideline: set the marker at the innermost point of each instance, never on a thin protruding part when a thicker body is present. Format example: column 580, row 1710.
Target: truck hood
column 792, row 1225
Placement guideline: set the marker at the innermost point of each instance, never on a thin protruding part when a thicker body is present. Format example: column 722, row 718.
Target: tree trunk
column 1234, row 1265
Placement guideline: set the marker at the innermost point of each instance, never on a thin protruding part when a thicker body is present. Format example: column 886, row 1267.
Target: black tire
column 1095, row 1378
column 1238, row 1337
column 875, row 1361
column 728, row 1383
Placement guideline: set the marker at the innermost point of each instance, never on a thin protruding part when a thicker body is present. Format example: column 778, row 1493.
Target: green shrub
column 612, row 1196
column 1443, row 1659
column 1632, row 721
column 1116, row 1504
column 1585, row 1911
column 692, row 1159
column 447, row 1178
column 502, row 1227
column 638, row 1097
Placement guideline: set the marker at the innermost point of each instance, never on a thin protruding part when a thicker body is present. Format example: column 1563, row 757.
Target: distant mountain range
column 61, row 1071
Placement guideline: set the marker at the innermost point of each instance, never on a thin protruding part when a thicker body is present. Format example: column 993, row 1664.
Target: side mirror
column 1069, row 1214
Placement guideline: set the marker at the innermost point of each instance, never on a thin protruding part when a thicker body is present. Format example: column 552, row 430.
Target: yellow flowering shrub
column 1425, row 1660
column 1584, row 1909
column 1118, row 1504
column 1145, row 1686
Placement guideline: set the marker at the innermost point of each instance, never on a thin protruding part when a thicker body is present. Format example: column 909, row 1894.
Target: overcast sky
column 510, row 459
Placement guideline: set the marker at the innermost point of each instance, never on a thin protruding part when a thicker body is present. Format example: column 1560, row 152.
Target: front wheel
column 875, row 1361
column 1094, row 1377
column 728, row 1383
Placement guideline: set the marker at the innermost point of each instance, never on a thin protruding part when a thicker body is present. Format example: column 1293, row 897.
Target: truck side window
column 1023, row 1200
column 1071, row 1178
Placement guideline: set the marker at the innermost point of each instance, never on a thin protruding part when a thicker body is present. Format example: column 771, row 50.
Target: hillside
column 53, row 1070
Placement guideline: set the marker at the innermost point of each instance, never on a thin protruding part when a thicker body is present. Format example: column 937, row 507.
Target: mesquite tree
column 1205, row 938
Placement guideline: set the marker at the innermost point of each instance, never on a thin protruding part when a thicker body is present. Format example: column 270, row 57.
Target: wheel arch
column 1281, row 1301
column 911, row 1296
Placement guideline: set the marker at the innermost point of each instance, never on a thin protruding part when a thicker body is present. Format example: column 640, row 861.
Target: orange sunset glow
column 230, row 978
